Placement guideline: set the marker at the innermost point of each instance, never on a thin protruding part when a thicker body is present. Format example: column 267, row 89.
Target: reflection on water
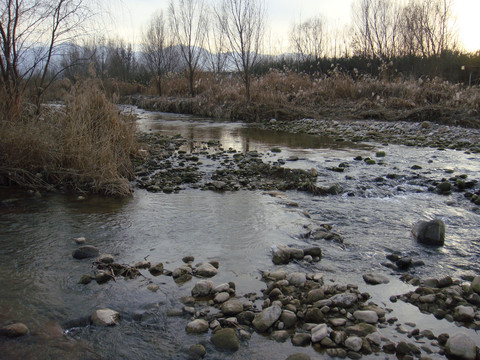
column 238, row 136
column 39, row 278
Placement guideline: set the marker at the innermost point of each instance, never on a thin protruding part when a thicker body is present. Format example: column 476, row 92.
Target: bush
column 85, row 145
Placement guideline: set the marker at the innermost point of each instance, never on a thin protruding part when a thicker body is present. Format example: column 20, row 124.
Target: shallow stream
column 374, row 214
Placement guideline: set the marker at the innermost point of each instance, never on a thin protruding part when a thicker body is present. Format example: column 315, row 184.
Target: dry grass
column 288, row 95
column 85, row 146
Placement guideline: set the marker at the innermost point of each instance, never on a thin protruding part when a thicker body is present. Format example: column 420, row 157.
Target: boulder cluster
column 447, row 299
column 167, row 167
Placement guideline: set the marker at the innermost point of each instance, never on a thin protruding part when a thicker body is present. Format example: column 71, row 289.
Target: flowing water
column 39, row 278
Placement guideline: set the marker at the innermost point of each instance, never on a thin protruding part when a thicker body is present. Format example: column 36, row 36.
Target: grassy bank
column 286, row 95
column 84, row 146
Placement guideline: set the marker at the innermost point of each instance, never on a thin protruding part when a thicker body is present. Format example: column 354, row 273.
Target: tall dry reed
column 85, row 145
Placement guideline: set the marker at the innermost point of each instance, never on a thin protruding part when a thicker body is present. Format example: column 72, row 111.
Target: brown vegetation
column 287, row 95
column 85, row 145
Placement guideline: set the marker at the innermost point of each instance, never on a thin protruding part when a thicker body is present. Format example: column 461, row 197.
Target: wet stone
column 14, row 330
column 156, row 269
column 196, row 352
column 301, row 339
column 226, row 340
column 85, row 252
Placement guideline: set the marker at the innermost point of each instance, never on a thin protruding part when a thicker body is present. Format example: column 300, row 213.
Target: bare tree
column 427, row 27
column 376, row 28
column 189, row 23
column 32, row 33
column 244, row 25
column 217, row 43
column 309, row 38
column 158, row 51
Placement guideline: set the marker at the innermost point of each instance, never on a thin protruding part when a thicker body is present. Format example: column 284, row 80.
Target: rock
column 85, row 252
column 368, row 316
column 280, row 335
column 275, row 294
column 337, row 322
column 105, row 317
column 315, row 295
column 464, row 313
column 344, row 300
column 267, row 318
column 476, row 284
column 206, row 270
column 188, row 259
column 232, row 307
column 221, row 288
column 354, row 343
column 202, row 288
column 80, row 240
column 297, row 278
column 296, row 254
column 320, row 332
column 221, row 297
column 278, row 275
column 314, row 251
column 375, row 279
column 288, row 318
column 181, row 271
column 153, row 287
column 226, row 339
column 402, row 349
column 280, row 257
column 14, row 330
column 298, row 356
column 196, row 352
column 246, row 317
column 444, row 187
column 314, row 316
column 105, row 259
column 362, row 329
column 144, row 264
column 301, row 339
column 374, row 338
column 102, row 277
column 404, row 263
column 461, row 346
column 197, row 326
column 430, row 232
column 85, row 279
column 156, row 269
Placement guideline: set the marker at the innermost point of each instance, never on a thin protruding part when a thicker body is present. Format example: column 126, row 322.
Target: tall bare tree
column 376, row 28
column 31, row 34
column 158, row 50
column 427, row 27
column 244, row 24
column 217, row 43
column 189, row 25
column 309, row 38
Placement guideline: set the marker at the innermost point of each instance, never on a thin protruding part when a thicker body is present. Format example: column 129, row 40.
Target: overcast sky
column 131, row 15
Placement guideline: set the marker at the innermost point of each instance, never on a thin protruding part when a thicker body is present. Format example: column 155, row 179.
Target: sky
column 129, row 16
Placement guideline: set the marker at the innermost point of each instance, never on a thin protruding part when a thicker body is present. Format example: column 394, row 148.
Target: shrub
column 85, row 145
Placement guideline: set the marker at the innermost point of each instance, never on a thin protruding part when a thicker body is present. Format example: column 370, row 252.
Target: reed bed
column 288, row 95
column 85, row 145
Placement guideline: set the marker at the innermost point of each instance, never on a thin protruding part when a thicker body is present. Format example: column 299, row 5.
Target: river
column 374, row 215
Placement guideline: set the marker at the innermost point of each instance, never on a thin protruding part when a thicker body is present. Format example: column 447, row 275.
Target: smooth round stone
column 197, row 326
column 14, row 330
column 226, row 339
column 105, row 317
column 221, row 297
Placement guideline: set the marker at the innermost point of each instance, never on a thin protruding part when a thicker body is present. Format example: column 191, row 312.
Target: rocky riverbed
column 306, row 273
column 426, row 133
